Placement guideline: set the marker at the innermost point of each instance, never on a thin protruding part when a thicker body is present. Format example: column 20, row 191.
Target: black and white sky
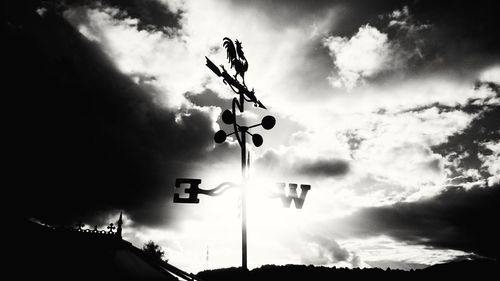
column 389, row 109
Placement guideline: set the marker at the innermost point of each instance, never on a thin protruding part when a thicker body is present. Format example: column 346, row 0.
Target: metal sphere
column 220, row 136
column 227, row 117
column 257, row 140
column 268, row 122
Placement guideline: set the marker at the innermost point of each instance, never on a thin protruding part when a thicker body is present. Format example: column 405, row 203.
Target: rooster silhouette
column 236, row 57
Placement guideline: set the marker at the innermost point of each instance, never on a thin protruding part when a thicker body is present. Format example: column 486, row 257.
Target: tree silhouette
column 153, row 249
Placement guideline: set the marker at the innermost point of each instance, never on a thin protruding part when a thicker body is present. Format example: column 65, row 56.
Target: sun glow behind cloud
column 380, row 131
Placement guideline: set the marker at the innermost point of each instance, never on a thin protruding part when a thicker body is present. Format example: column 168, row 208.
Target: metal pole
column 243, row 200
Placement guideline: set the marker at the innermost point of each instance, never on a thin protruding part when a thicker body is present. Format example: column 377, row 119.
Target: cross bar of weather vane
column 194, row 190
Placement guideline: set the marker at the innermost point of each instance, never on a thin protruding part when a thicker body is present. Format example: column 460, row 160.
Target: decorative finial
column 111, row 227
column 119, row 223
column 79, row 226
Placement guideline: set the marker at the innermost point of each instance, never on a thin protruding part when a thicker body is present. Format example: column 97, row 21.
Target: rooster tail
column 231, row 50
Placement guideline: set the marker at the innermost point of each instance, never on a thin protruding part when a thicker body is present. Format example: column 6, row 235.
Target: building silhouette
column 42, row 251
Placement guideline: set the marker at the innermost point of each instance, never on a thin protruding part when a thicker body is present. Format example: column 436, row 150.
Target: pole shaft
column 243, row 203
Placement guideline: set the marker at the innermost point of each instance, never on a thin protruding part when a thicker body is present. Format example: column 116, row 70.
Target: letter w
column 292, row 194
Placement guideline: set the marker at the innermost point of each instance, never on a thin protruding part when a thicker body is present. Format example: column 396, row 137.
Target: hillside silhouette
column 466, row 268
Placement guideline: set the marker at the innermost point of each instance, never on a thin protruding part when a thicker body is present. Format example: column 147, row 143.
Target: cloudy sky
column 388, row 109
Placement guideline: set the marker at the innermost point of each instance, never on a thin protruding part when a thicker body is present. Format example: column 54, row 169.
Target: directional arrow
column 250, row 95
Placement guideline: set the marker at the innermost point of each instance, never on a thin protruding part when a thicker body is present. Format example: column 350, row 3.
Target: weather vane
column 237, row 60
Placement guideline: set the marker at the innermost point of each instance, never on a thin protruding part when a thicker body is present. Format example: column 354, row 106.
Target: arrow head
column 261, row 105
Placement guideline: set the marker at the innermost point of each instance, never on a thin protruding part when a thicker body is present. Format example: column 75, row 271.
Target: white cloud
column 403, row 20
column 175, row 65
column 41, row 11
column 402, row 94
column 491, row 74
column 324, row 251
column 394, row 161
column 364, row 55
column 491, row 162
column 386, row 248
column 369, row 52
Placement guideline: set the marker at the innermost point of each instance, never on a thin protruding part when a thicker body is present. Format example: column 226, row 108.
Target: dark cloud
column 352, row 14
column 152, row 14
column 334, row 251
column 458, row 37
column 485, row 107
column 324, row 168
column 83, row 138
column 456, row 219
column 208, row 98
column 465, row 147
column 449, row 42
column 354, row 140
column 447, row 36
column 453, row 21
column 300, row 168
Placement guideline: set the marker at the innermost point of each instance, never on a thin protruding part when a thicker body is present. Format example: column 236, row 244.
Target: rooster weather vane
column 238, row 61
column 236, row 57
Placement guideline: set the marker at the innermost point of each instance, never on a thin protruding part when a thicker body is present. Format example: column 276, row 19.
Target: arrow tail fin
column 213, row 67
